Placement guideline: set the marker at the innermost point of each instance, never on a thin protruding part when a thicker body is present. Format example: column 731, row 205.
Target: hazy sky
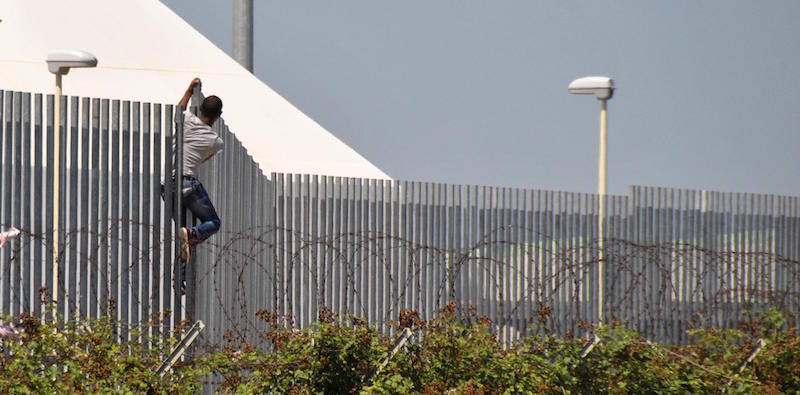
column 708, row 92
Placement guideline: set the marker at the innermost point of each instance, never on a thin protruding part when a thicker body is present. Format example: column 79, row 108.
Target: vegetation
column 451, row 354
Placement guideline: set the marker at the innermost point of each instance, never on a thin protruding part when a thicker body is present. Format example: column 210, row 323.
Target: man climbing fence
column 200, row 143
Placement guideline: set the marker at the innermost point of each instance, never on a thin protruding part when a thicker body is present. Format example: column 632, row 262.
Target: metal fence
column 117, row 251
column 526, row 259
column 293, row 244
column 115, row 254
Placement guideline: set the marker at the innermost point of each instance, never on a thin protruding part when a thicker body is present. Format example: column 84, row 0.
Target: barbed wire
column 528, row 283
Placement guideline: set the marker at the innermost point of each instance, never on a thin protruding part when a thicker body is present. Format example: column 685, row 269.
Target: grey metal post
column 243, row 33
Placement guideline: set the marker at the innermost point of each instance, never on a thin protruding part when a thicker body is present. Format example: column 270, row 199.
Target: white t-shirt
column 199, row 142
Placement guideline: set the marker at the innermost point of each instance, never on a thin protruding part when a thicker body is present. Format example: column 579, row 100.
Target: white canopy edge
column 148, row 53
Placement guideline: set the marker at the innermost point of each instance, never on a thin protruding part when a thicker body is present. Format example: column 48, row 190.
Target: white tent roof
column 148, row 53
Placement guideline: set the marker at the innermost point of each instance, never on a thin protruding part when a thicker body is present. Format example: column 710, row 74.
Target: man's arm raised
column 188, row 94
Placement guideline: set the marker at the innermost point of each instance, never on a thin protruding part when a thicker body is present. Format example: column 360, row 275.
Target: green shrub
column 453, row 354
column 85, row 356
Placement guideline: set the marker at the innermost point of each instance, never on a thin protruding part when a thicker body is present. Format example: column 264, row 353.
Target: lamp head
column 60, row 61
column 601, row 87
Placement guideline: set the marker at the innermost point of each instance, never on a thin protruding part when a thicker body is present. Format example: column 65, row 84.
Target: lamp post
column 603, row 89
column 59, row 62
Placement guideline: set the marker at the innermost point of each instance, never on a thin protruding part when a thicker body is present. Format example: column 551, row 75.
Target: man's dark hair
column 211, row 107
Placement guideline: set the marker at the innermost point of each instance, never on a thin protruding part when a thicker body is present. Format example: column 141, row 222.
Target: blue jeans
column 195, row 198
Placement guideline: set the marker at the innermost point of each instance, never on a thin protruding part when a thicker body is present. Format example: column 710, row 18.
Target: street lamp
column 603, row 89
column 59, row 62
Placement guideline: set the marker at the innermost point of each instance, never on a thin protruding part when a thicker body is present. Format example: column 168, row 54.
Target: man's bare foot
column 183, row 236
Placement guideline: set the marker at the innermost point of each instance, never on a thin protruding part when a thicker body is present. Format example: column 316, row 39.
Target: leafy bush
column 86, row 356
column 327, row 358
column 454, row 354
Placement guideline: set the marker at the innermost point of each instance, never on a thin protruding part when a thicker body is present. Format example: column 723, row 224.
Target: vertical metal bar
column 681, row 263
column 397, row 248
column 373, row 234
column 39, row 207
column 324, row 279
column 242, row 226
column 726, row 266
column 457, row 235
column 22, row 122
column 767, row 246
column 435, row 263
column 651, row 270
column 305, row 310
column 534, row 240
column 522, row 264
column 479, row 240
column 442, row 247
column 115, row 223
column 643, row 238
column 355, row 239
column 674, row 265
column 94, row 232
column 657, row 309
column 282, row 252
column 432, row 242
column 48, row 201
column 71, row 214
column 125, row 222
column 134, row 266
column 584, row 224
column 256, row 264
column 515, row 266
column 473, row 248
column 628, row 277
column 358, row 287
column 178, row 212
column 294, row 211
column 351, row 264
column 6, row 160
column 551, row 266
column 794, row 252
column 632, row 278
column 314, row 236
column 738, row 273
column 423, row 227
column 698, row 200
column 279, row 231
column 6, row 120
column 383, row 259
column 366, row 296
column 454, row 238
column 415, row 262
column 559, row 263
column 289, row 246
column 169, row 293
column 527, row 262
column 593, row 255
column 220, row 277
column 404, row 299
column 749, row 230
column 501, row 264
column 267, row 227
column 230, row 205
column 105, row 185
column 145, row 223
column 158, row 274
column 402, row 244
column 84, row 254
